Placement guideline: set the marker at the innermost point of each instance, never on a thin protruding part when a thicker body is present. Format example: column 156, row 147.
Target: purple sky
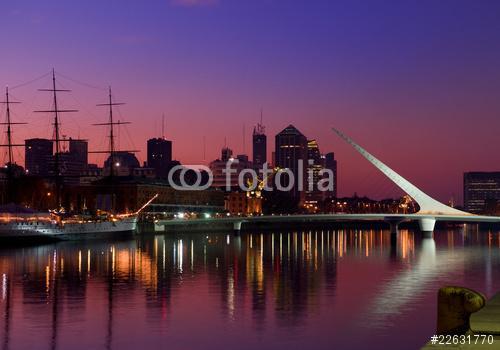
column 415, row 82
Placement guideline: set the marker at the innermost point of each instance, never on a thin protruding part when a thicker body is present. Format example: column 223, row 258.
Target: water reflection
column 275, row 290
column 406, row 286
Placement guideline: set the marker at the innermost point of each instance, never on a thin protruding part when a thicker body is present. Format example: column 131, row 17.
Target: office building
column 160, row 156
column 291, row 153
column 331, row 163
column 314, row 167
column 79, row 151
column 259, row 141
column 38, row 154
column 481, row 192
column 70, row 169
column 71, row 164
column 218, row 166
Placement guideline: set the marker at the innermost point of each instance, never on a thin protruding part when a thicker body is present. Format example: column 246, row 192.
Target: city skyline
column 406, row 96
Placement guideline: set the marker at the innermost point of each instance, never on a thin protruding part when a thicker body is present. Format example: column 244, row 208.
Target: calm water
column 289, row 290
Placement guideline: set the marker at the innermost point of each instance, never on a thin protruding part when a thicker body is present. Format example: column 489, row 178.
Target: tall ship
column 19, row 222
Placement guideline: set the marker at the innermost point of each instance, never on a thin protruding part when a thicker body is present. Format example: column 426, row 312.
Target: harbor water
column 312, row 289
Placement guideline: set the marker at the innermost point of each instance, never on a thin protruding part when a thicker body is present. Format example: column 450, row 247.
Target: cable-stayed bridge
column 431, row 210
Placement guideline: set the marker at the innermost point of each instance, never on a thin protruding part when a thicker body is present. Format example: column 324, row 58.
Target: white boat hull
column 67, row 231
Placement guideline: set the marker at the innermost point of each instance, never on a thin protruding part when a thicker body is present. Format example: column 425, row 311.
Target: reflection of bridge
column 430, row 211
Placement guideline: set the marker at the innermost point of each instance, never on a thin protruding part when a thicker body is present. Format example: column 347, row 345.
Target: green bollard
column 455, row 305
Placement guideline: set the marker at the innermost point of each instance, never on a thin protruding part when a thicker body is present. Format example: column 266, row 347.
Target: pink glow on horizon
column 419, row 91
column 399, row 142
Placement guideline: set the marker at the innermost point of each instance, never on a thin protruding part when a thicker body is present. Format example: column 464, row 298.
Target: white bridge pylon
column 428, row 205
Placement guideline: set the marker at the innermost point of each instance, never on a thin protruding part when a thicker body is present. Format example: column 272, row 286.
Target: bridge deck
column 335, row 217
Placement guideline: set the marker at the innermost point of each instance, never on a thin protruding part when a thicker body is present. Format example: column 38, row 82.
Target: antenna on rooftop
column 204, row 148
column 260, row 129
column 163, row 126
column 244, row 138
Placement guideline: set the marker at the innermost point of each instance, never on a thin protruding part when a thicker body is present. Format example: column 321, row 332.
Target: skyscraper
column 38, row 155
column 331, row 163
column 259, row 141
column 79, row 150
column 314, row 167
column 291, row 153
column 160, row 156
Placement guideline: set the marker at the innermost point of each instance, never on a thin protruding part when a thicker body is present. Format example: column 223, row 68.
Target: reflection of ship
column 19, row 222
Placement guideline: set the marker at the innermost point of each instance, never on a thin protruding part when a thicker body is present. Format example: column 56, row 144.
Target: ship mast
column 111, row 123
column 10, row 143
column 112, row 149
column 57, row 137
